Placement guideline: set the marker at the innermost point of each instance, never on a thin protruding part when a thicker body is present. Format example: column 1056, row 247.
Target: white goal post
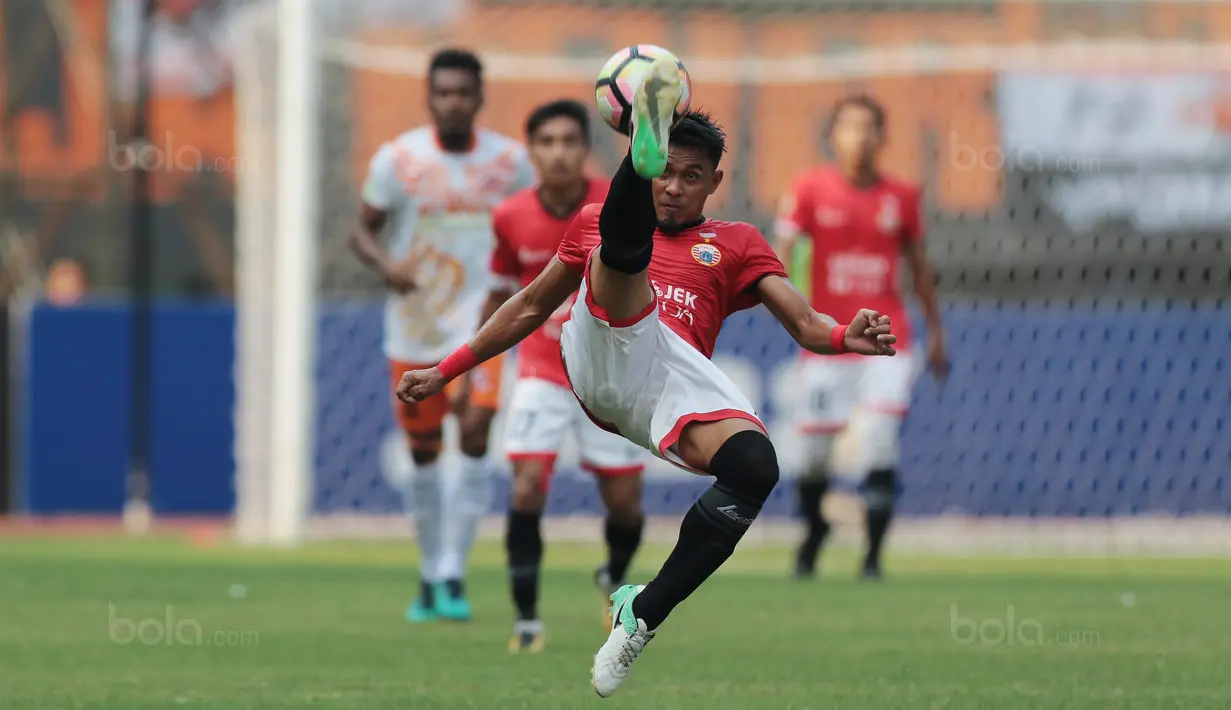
column 276, row 299
column 297, row 188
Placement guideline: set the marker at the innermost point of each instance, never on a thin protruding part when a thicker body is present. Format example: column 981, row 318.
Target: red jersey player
column 860, row 222
column 655, row 281
column 528, row 228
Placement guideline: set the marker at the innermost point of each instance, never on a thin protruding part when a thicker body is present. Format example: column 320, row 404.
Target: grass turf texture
column 322, row 627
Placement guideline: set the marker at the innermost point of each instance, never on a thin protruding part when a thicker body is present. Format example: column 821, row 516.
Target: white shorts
column 831, row 389
column 641, row 380
column 538, row 416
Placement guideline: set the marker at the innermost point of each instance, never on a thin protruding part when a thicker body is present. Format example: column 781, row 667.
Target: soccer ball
column 621, row 76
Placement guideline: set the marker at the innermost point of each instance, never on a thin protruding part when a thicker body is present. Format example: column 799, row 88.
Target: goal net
column 1076, row 190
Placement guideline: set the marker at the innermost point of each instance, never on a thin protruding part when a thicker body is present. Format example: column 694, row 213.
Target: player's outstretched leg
column 627, row 222
column 744, row 462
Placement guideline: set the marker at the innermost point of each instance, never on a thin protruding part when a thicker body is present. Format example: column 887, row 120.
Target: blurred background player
column 529, row 227
column 439, row 185
column 860, row 221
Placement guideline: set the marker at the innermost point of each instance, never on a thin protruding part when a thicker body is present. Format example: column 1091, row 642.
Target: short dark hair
column 563, row 108
column 456, row 59
column 698, row 129
column 863, row 101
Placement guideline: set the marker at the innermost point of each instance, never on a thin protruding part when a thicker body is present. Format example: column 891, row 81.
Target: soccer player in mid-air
column 860, row 222
column 528, row 227
column 438, row 185
column 656, row 280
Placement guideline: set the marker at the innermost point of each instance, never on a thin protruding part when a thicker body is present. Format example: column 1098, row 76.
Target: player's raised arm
column 868, row 334
column 520, row 316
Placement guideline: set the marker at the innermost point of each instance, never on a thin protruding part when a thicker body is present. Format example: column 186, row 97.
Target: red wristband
column 458, row 363
column 837, row 338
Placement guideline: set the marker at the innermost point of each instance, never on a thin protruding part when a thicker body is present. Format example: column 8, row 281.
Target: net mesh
column 1077, row 178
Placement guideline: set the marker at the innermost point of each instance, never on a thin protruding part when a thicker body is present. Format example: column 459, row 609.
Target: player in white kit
column 654, row 280
column 436, row 187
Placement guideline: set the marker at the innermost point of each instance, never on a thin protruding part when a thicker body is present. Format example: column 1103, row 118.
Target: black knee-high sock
column 524, row 544
column 623, row 539
column 880, row 490
column 628, row 220
column 746, row 467
column 811, row 493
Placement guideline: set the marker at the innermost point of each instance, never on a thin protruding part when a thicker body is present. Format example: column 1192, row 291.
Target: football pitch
column 119, row 624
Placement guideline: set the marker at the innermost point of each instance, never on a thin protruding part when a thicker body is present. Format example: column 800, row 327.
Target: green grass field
column 322, row 628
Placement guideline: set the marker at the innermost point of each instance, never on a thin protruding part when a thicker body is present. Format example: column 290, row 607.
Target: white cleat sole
column 654, row 114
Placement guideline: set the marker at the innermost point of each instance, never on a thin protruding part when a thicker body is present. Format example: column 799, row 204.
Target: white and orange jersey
column 440, row 207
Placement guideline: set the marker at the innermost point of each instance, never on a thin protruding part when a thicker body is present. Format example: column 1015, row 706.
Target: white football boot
column 624, row 645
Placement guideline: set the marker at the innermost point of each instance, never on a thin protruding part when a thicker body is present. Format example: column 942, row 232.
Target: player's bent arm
column 815, row 332
column 364, row 239
column 868, row 333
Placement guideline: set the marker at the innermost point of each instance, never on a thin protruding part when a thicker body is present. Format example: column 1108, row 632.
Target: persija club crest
column 706, row 254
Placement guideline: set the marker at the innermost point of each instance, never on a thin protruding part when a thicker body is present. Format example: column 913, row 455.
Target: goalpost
column 277, row 220
column 315, row 448
column 294, row 326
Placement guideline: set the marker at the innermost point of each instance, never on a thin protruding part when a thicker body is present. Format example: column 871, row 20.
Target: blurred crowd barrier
column 1076, row 159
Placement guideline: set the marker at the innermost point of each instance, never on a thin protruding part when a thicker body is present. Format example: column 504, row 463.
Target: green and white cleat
column 628, row 638
column 654, row 105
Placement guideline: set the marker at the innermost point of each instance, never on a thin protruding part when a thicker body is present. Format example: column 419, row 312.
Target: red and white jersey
column 701, row 275
column 440, row 206
column 857, row 238
column 527, row 237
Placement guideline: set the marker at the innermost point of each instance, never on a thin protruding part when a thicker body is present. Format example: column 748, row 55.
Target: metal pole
column 137, row 509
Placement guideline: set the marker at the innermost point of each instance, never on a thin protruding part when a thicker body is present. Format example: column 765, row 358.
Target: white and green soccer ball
column 621, row 76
